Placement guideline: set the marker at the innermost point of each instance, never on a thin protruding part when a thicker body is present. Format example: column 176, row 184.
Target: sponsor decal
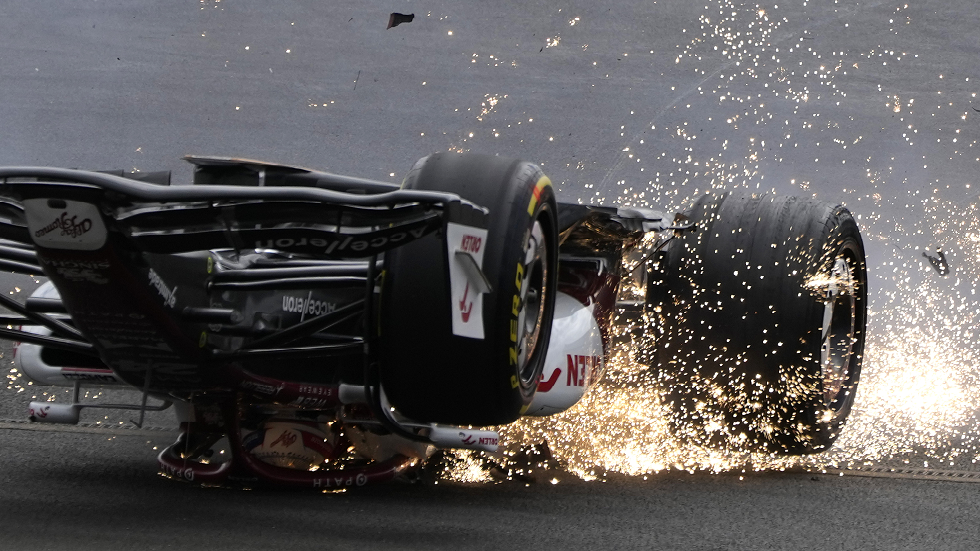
column 307, row 305
column 471, row 244
column 79, row 270
column 515, row 312
column 545, row 386
column 315, row 396
column 346, row 244
column 467, row 300
column 466, row 308
column 318, row 390
column 177, row 472
column 340, row 481
column 286, row 439
column 260, row 388
column 164, row 371
column 39, row 413
column 580, row 368
column 169, row 295
column 88, row 376
column 62, row 224
column 471, row 440
column 76, row 264
column 82, row 274
column 71, row 227
column 311, row 402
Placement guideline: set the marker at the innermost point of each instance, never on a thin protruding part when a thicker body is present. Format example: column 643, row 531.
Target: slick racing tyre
column 431, row 374
column 763, row 316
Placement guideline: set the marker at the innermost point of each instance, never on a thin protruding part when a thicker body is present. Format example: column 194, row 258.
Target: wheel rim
column 534, row 298
column 838, row 329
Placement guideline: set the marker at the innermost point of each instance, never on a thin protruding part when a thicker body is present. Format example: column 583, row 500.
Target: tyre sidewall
column 739, row 314
column 429, row 373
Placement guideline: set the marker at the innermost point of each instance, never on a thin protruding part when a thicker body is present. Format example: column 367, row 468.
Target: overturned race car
column 330, row 331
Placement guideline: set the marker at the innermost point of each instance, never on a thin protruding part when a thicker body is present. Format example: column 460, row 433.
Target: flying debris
column 938, row 262
column 396, row 19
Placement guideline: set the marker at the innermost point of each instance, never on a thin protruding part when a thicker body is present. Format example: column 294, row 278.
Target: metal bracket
column 68, row 414
column 474, row 274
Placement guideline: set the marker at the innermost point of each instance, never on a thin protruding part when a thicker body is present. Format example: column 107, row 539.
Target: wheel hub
column 533, row 297
column 838, row 329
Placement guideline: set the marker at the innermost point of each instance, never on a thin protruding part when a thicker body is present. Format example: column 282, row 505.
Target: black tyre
column 763, row 322
column 428, row 373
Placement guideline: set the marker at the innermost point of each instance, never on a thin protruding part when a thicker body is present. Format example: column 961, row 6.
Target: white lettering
column 307, row 306
column 169, row 296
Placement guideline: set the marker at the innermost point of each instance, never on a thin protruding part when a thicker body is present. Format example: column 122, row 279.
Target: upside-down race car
column 333, row 331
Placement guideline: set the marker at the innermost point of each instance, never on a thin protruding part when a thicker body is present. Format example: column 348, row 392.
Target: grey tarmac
column 648, row 103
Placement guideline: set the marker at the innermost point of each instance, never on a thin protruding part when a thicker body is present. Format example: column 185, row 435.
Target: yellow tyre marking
column 543, row 182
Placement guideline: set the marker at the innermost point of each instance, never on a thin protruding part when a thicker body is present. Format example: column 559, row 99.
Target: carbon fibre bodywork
column 255, row 288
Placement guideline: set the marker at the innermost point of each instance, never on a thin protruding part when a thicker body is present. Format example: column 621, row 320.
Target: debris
column 938, row 262
column 396, row 19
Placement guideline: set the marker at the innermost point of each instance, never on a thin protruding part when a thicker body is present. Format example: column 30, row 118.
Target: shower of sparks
column 771, row 108
column 774, row 110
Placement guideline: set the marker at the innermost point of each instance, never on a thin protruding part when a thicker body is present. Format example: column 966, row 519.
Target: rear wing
column 72, row 209
column 99, row 238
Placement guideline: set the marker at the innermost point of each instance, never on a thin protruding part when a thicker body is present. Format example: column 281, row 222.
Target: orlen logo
column 469, row 244
column 544, row 385
column 470, row 440
column 70, row 227
column 577, row 372
column 465, row 308
column 579, row 368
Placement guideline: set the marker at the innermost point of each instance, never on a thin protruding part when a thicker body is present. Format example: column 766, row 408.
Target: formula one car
column 331, row 331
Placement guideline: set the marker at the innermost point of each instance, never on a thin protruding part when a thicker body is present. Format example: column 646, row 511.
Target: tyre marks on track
column 878, row 471
column 906, row 473
column 86, row 428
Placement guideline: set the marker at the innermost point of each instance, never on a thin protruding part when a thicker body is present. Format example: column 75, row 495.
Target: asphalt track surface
column 868, row 103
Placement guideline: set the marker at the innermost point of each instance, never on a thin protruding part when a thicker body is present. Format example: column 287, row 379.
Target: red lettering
column 581, row 369
column 546, row 385
column 287, row 438
column 464, row 308
column 572, row 377
column 471, row 243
